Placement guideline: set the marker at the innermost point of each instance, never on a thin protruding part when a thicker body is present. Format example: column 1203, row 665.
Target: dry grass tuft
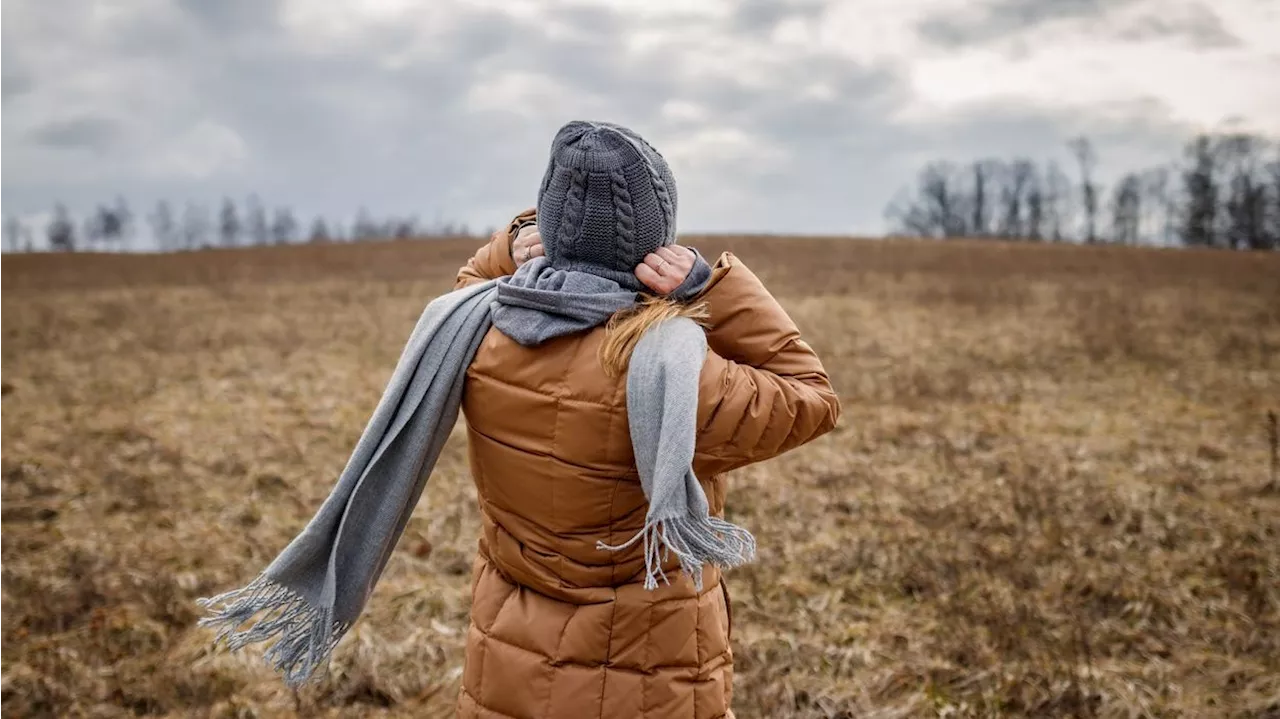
column 1052, row 494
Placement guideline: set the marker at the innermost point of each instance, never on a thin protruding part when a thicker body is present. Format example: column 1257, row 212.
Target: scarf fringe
column 695, row 541
column 307, row 633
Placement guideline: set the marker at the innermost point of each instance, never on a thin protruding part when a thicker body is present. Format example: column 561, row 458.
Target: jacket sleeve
column 494, row 260
column 763, row 390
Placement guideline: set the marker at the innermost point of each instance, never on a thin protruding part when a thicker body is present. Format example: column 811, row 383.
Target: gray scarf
column 317, row 586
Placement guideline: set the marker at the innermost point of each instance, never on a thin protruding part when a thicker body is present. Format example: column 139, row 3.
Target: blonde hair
column 625, row 328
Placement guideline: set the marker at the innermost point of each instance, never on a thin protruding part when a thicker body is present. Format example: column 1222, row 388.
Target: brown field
column 1051, row 493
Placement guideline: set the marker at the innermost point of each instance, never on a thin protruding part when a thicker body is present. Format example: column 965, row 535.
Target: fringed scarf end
column 306, row 634
column 695, row 541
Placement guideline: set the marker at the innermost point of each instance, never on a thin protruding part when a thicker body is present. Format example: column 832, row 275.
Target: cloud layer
column 801, row 116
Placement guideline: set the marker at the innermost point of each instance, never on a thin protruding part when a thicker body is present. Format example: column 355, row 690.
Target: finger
column 649, row 277
column 669, row 254
column 664, row 267
column 524, row 241
column 536, row 250
column 526, row 231
column 661, row 284
column 681, row 262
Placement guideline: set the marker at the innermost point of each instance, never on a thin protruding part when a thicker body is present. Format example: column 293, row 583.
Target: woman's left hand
column 526, row 245
column 665, row 269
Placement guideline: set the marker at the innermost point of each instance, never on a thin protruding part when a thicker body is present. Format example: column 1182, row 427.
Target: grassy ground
column 1050, row 494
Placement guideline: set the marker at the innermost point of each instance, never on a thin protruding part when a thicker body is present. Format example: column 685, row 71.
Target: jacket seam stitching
column 625, row 476
column 695, row 667
column 774, row 451
column 567, row 397
column 608, row 651
column 552, row 664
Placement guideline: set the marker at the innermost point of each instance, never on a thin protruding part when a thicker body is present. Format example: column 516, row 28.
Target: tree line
column 1223, row 192
column 114, row 227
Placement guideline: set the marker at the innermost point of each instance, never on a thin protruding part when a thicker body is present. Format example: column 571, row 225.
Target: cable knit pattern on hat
column 624, row 218
column 608, row 199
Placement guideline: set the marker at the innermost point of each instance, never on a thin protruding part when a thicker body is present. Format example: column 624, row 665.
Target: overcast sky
column 802, row 116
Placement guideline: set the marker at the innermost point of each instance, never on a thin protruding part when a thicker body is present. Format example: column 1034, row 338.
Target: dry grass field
column 1050, row 493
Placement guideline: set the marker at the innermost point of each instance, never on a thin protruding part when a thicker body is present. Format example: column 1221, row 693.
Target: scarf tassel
column 307, row 633
column 695, row 541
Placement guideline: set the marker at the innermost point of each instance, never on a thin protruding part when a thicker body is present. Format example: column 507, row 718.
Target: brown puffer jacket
column 560, row 629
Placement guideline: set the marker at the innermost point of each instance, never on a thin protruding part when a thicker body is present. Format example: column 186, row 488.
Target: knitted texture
column 607, row 199
column 316, row 588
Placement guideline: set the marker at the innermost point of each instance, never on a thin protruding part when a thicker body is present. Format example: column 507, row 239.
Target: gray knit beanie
column 607, row 200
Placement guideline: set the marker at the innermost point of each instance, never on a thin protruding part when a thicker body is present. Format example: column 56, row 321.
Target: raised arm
column 493, row 260
column 763, row 390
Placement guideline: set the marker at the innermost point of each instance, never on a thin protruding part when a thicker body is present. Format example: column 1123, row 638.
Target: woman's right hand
column 526, row 245
column 666, row 268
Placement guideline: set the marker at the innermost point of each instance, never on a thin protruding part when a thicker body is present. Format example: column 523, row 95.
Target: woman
column 558, row 627
column 600, row 430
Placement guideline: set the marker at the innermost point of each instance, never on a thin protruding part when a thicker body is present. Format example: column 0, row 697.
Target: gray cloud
column 980, row 24
column 810, row 151
column 1198, row 25
column 14, row 83
column 759, row 17
column 192, row 100
column 81, row 133
column 227, row 18
column 1131, row 134
column 1001, row 20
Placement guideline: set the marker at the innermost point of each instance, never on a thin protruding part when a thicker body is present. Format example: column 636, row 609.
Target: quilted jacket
column 560, row 629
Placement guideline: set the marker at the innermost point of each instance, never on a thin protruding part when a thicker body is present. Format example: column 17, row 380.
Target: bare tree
column 942, row 193
column 1126, row 210
column 229, row 223
column 284, row 227
column 163, row 227
column 13, row 229
column 90, row 235
column 122, row 229
column 363, row 228
column 983, row 173
column 1012, row 196
column 1035, row 208
column 195, row 227
column 319, row 230
column 935, row 210
column 1087, row 160
column 61, row 230
column 1057, row 201
column 256, row 220
column 908, row 217
column 106, row 225
column 407, row 227
column 1225, row 193
column 1273, row 218
column 1245, row 203
column 1158, row 206
column 1200, row 186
